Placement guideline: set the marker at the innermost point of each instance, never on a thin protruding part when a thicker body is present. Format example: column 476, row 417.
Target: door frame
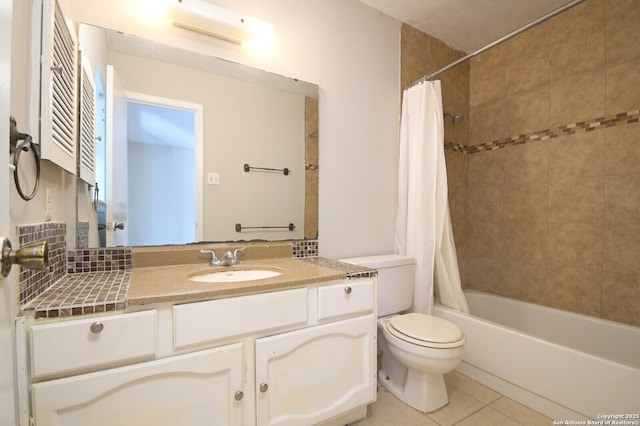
column 9, row 285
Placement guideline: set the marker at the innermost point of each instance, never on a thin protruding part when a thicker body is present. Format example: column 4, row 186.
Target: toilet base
column 424, row 392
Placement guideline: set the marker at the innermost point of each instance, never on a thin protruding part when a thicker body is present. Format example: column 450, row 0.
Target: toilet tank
column 395, row 280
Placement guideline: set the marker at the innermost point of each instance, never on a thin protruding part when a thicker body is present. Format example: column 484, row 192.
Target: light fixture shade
column 205, row 18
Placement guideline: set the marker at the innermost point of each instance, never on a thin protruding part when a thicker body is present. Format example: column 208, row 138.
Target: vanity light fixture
column 205, row 18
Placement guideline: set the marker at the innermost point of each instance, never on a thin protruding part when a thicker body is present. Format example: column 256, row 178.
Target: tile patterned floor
column 470, row 404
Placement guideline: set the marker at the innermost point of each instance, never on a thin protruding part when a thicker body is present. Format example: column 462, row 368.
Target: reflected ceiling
column 156, row 125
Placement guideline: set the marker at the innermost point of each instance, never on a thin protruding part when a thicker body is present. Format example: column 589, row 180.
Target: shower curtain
column 423, row 222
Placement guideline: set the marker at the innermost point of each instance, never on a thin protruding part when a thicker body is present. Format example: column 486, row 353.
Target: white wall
column 158, row 171
column 353, row 53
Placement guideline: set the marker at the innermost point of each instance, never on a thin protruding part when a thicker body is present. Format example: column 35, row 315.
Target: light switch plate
column 213, row 179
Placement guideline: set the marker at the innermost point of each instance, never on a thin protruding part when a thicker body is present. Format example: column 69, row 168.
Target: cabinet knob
column 347, row 290
column 238, row 395
column 264, row 387
column 97, row 327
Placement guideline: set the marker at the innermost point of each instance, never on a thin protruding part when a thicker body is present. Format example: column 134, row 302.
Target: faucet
column 229, row 258
column 214, row 259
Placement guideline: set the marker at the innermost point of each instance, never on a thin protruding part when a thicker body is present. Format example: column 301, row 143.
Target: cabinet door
column 58, row 96
column 192, row 389
column 310, row 375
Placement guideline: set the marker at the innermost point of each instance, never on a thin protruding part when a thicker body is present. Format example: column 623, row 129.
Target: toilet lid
column 426, row 328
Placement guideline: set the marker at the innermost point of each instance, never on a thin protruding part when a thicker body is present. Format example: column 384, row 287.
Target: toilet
column 417, row 349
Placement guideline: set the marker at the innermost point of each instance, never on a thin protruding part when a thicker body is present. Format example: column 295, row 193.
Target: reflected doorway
column 152, row 174
column 161, row 174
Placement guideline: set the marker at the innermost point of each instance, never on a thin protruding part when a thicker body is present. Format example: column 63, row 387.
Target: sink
column 235, row 275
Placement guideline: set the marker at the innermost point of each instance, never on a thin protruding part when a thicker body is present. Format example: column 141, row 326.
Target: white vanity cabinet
column 192, row 389
column 120, row 381
column 307, row 376
column 300, row 356
column 60, row 348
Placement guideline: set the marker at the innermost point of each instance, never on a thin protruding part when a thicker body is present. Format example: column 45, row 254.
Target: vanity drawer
column 81, row 345
column 201, row 322
column 345, row 299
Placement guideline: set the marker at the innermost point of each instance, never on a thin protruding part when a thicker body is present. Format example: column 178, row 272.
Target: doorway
column 161, row 148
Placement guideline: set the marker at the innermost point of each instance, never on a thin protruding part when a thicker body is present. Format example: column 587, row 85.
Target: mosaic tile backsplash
column 305, row 248
column 32, row 282
column 82, row 235
column 100, row 260
column 110, row 266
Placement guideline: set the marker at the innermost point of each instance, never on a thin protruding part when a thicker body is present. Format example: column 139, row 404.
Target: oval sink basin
column 235, row 275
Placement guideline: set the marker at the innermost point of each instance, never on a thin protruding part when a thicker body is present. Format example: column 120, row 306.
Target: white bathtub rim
column 620, row 376
column 517, row 332
column 514, row 330
column 546, row 308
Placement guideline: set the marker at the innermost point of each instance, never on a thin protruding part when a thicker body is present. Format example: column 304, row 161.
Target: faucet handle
column 214, row 259
column 232, row 258
column 235, row 252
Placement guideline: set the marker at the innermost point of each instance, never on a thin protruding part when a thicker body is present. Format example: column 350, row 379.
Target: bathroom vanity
column 277, row 351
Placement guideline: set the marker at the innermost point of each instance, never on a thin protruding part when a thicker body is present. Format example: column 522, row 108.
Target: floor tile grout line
column 470, row 414
column 467, row 416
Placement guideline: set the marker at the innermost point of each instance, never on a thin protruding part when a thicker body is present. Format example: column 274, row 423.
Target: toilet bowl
column 420, row 349
column 417, row 349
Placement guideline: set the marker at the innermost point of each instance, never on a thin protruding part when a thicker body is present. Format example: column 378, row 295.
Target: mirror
column 195, row 148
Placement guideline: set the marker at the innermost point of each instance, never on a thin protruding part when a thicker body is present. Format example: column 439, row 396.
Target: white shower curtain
column 423, row 223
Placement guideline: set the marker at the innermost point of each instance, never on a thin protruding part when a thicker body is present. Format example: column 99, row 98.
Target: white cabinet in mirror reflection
column 87, row 136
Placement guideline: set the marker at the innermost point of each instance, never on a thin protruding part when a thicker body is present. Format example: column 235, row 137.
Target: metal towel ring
column 25, row 145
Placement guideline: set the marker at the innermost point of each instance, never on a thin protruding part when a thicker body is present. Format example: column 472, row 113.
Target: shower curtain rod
column 500, row 40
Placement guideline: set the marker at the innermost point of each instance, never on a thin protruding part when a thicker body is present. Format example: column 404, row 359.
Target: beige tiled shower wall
column 422, row 54
column 555, row 219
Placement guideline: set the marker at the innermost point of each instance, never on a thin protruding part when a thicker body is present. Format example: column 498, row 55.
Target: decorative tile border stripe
column 78, row 294
column 100, row 260
column 32, row 282
column 304, row 248
column 540, row 135
column 457, row 147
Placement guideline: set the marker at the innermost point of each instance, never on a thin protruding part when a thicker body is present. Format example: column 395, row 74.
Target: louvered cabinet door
column 87, row 134
column 58, row 89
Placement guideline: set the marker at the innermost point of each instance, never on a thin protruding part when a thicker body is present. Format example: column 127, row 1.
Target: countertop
column 172, row 284
column 94, row 292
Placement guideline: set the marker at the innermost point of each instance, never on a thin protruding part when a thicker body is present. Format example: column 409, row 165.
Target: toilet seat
column 425, row 330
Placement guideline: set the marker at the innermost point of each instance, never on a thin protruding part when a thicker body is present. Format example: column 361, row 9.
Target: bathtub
column 567, row 366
